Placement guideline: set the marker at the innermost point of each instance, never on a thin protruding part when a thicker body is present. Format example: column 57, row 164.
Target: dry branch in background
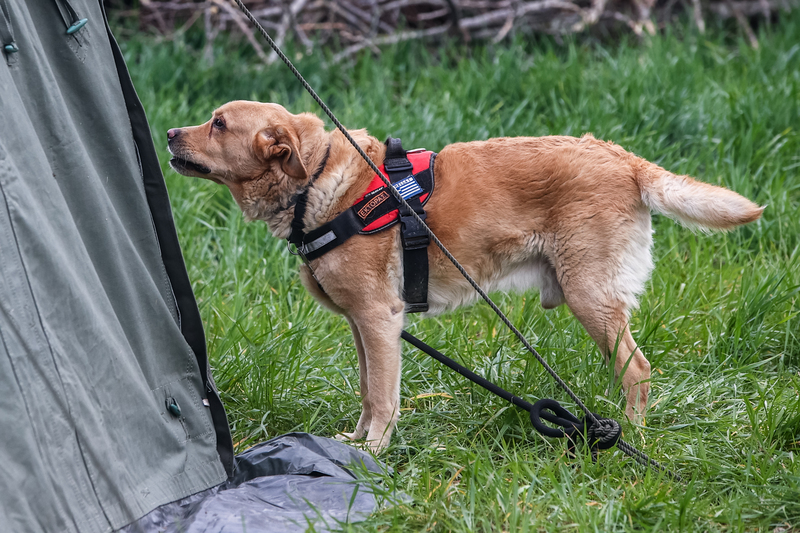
column 357, row 24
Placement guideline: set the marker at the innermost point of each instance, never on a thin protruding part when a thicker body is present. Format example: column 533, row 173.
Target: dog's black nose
column 172, row 133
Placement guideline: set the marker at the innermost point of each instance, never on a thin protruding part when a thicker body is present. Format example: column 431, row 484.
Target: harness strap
column 301, row 202
column 297, row 224
column 412, row 233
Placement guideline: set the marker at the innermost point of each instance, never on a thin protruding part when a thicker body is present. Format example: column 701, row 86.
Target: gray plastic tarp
column 284, row 485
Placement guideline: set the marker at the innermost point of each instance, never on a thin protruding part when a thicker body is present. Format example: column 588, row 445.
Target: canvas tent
column 108, row 409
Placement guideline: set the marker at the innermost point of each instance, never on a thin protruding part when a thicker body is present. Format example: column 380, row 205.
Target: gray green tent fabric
column 99, row 330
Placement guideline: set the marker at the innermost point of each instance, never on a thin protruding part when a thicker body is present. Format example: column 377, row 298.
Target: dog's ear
column 279, row 141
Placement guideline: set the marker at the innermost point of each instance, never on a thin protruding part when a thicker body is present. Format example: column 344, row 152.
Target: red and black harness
column 411, row 173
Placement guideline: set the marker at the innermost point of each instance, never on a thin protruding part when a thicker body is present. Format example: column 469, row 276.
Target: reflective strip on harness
column 318, row 243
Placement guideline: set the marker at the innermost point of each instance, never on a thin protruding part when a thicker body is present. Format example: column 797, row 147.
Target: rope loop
column 553, row 412
column 601, row 433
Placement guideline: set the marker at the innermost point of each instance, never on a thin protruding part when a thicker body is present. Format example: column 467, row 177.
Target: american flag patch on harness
column 408, row 187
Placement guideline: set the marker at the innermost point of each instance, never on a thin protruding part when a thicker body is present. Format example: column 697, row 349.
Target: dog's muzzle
column 179, row 164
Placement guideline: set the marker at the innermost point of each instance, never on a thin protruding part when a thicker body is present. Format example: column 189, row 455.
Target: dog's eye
column 219, row 123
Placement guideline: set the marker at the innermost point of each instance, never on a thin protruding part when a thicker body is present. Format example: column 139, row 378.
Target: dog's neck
column 334, row 188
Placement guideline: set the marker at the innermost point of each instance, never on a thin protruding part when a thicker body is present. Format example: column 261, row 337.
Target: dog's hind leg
column 631, row 363
column 606, row 321
column 602, row 266
column 634, row 369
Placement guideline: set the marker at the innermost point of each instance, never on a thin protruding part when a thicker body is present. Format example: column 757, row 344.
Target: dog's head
column 259, row 151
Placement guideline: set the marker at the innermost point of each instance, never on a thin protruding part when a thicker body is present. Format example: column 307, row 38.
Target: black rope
column 589, row 415
column 599, row 432
column 466, row 372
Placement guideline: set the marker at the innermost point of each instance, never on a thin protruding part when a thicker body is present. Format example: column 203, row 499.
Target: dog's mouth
column 182, row 165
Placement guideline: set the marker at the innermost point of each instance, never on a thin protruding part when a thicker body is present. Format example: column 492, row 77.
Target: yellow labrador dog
column 568, row 215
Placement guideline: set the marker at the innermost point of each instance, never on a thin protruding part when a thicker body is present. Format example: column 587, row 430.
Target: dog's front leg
column 379, row 329
column 366, row 412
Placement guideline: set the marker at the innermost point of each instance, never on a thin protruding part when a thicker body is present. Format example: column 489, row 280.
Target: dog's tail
column 693, row 203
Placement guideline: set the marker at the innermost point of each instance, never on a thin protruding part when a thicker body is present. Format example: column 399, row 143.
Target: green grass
column 719, row 320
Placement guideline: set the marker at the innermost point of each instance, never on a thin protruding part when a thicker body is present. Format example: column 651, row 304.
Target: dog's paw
column 377, row 442
column 356, row 442
column 375, row 448
column 349, row 437
column 634, row 416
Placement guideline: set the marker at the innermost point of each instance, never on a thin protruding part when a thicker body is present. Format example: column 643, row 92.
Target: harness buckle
column 413, row 234
column 416, row 307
